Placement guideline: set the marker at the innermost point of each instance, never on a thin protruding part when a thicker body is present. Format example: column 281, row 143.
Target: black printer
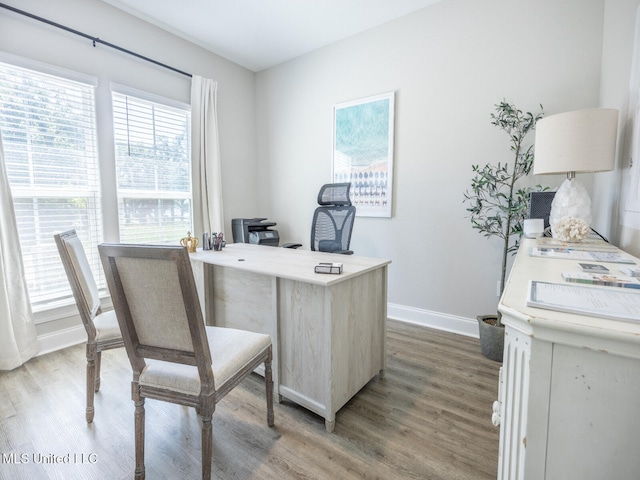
column 254, row 230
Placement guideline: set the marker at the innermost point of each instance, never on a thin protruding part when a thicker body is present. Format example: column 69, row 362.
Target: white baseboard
column 440, row 321
column 50, row 342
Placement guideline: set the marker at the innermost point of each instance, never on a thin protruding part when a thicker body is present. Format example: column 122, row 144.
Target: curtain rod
column 93, row 39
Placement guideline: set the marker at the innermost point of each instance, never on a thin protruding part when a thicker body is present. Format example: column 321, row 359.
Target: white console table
column 569, row 394
column 327, row 331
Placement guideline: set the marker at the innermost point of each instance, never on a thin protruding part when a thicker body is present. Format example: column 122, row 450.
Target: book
column 572, row 254
column 593, row 268
column 603, row 279
column 324, row 267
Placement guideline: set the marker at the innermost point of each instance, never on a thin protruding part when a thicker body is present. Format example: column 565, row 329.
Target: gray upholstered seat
column 103, row 332
column 107, row 327
column 233, row 350
column 174, row 356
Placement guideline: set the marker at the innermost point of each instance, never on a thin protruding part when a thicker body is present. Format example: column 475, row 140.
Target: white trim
column 149, row 97
column 47, row 69
column 57, row 312
column 440, row 321
column 66, row 337
column 468, row 327
column 50, row 342
column 65, row 309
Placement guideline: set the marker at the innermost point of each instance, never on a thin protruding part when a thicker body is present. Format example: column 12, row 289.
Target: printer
column 254, row 230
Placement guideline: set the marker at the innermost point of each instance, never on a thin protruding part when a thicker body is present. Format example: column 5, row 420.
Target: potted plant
column 498, row 206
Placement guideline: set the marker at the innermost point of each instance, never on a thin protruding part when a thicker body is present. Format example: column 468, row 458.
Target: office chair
column 174, row 356
column 102, row 328
column 332, row 220
column 540, row 207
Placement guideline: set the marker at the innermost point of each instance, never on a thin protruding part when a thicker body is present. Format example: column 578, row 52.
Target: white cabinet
column 569, row 405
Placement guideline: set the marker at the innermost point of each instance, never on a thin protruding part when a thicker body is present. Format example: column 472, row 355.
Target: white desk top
column 542, row 323
column 292, row 264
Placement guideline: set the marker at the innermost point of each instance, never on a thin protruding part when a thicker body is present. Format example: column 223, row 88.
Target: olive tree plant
column 497, row 205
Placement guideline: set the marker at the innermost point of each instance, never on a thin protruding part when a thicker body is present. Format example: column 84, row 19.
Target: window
column 49, row 134
column 153, row 169
column 49, row 131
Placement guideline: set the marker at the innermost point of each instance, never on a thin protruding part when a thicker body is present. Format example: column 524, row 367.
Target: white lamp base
column 570, row 214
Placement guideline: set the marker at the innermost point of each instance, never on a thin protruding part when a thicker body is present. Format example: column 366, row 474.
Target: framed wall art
column 363, row 152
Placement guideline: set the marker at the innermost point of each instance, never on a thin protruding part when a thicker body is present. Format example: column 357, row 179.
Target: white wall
column 449, row 64
column 236, row 86
column 619, row 25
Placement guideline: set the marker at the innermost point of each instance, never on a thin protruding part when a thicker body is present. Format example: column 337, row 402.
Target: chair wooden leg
column 91, row 375
column 139, row 430
column 268, row 377
column 207, row 446
column 97, row 379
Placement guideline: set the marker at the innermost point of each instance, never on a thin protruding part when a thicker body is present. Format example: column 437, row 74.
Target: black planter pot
column 491, row 338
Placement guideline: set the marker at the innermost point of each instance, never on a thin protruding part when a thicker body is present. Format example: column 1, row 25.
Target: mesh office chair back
column 540, row 205
column 333, row 219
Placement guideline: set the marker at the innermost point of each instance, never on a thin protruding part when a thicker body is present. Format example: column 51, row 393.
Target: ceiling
column 259, row 34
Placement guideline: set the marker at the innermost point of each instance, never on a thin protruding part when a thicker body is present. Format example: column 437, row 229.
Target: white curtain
column 18, row 342
column 205, row 157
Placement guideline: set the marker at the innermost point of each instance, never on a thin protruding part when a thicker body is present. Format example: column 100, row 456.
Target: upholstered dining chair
column 174, row 356
column 103, row 332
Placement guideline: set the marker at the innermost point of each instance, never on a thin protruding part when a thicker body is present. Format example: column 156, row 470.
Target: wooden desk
column 569, row 395
column 328, row 331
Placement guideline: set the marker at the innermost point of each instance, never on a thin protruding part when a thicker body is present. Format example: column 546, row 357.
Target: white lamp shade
column 579, row 141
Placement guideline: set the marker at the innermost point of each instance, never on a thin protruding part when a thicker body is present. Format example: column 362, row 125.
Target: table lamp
column 579, row 141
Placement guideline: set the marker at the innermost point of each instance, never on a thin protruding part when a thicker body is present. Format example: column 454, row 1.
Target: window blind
column 153, row 169
column 49, row 134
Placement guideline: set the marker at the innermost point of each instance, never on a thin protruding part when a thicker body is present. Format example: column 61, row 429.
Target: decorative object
column 190, row 242
column 579, row 141
column 363, row 152
column 498, row 206
column 571, row 229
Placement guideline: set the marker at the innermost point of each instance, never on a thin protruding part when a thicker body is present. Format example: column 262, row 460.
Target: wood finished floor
column 430, row 418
